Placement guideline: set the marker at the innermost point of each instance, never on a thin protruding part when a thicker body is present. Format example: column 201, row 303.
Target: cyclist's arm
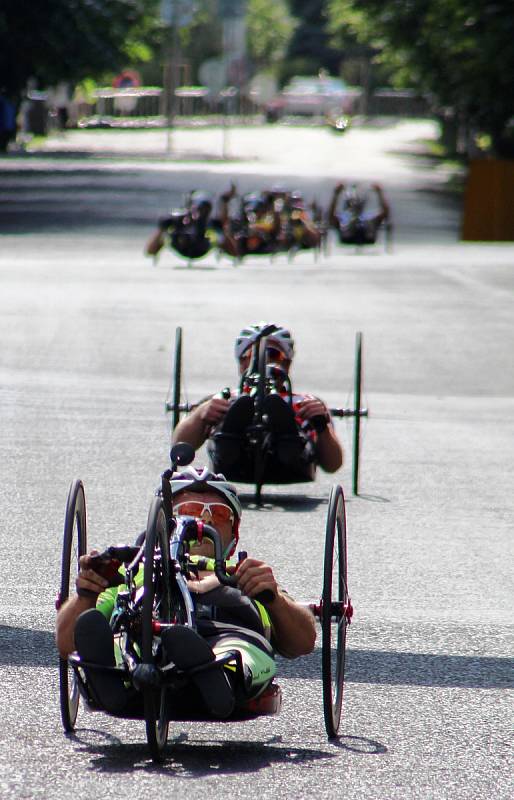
column 329, row 452
column 67, row 615
column 294, row 631
column 332, row 216
column 196, row 427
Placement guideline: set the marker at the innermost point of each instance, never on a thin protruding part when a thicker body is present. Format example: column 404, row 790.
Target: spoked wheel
column 358, row 412
column 177, row 377
column 156, row 607
column 336, row 612
column 74, row 546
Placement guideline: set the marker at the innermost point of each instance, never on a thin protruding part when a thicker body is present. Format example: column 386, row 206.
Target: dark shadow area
column 371, row 498
column 193, row 267
column 409, row 669
column 81, row 192
column 287, row 502
column 187, row 758
column 22, row 647
column 359, row 744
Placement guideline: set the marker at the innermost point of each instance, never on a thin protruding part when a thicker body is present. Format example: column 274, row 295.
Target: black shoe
column 187, row 649
column 290, row 450
column 239, row 416
column 225, row 450
column 95, row 644
column 281, row 418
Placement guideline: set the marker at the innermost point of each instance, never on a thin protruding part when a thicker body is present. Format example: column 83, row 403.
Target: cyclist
column 303, row 225
column 188, row 229
column 254, row 230
column 354, row 224
column 228, row 619
column 300, row 423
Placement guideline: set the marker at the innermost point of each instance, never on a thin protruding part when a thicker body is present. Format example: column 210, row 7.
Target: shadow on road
column 188, row 758
column 410, row 669
column 287, row 502
column 32, row 648
column 194, row 759
column 21, row 647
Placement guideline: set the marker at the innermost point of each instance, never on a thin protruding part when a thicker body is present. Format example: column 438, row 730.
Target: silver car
column 316, row 96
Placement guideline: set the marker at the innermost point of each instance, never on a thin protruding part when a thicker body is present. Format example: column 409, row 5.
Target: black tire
column 334, row 618
column 259, row 460
column 156, row 606
column 74, row 546
column 357, row 409
column 177, row 377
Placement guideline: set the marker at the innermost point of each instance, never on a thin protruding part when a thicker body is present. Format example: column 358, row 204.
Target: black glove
column 319, row 423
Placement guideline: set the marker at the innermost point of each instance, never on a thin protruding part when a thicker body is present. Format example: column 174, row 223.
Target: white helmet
column 202, row 480
column 279, row 337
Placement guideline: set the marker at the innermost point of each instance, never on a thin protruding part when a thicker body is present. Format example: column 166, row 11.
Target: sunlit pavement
column 87, row 326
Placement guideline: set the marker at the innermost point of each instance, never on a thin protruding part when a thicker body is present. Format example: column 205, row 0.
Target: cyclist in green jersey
column 228, row 619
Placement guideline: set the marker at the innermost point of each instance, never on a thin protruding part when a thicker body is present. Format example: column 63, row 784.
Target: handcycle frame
column 255, row 379
column 164, row 599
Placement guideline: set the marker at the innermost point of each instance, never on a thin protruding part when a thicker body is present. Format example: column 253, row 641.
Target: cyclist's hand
column 254, row 577
column 206, row 582
column 311, row 407
column 87, row 579
column 214, row 410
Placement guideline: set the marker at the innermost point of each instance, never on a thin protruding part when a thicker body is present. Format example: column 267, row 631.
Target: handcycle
column 357, row 224
column 163, row 600
column 273, row 222
column 260, row 380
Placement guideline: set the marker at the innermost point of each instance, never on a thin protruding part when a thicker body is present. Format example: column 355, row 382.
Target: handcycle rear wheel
column 156, row 606
column 177, row 377
column 335, row 612
column 74, row 546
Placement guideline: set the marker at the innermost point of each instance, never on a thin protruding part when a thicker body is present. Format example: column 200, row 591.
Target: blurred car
column 311, row 96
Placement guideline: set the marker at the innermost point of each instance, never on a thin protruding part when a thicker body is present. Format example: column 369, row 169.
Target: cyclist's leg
column 281, row 419
column 95, row 644
column 226, row 446
column 187, row 650
column 257, row 660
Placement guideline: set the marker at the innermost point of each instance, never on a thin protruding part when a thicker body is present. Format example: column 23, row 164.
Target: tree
column 55, row 40
column 310, row 48
column 269, row 30
column 457, row 51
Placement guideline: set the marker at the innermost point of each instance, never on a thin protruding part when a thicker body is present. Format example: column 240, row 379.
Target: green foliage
column 269, row 30
column 202, row 39
column 55, row 40
column 310, row 43
column 458, row 51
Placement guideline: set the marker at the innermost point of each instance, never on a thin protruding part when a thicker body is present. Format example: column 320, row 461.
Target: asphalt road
column 87, row 328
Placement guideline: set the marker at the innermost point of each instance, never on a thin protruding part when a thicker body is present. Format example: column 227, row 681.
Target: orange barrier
column 489, row 201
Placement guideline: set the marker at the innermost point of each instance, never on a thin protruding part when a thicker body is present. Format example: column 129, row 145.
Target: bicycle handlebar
column 194, row 528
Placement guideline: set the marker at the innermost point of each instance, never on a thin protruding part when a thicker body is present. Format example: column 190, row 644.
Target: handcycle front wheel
column 335, row 612
column 177, row 377
column 357, row 418
column 259, row 462
column 74, row 546
column 156, row 607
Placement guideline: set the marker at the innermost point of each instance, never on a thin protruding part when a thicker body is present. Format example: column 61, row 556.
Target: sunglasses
column 273, row 354
column 218, row 512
